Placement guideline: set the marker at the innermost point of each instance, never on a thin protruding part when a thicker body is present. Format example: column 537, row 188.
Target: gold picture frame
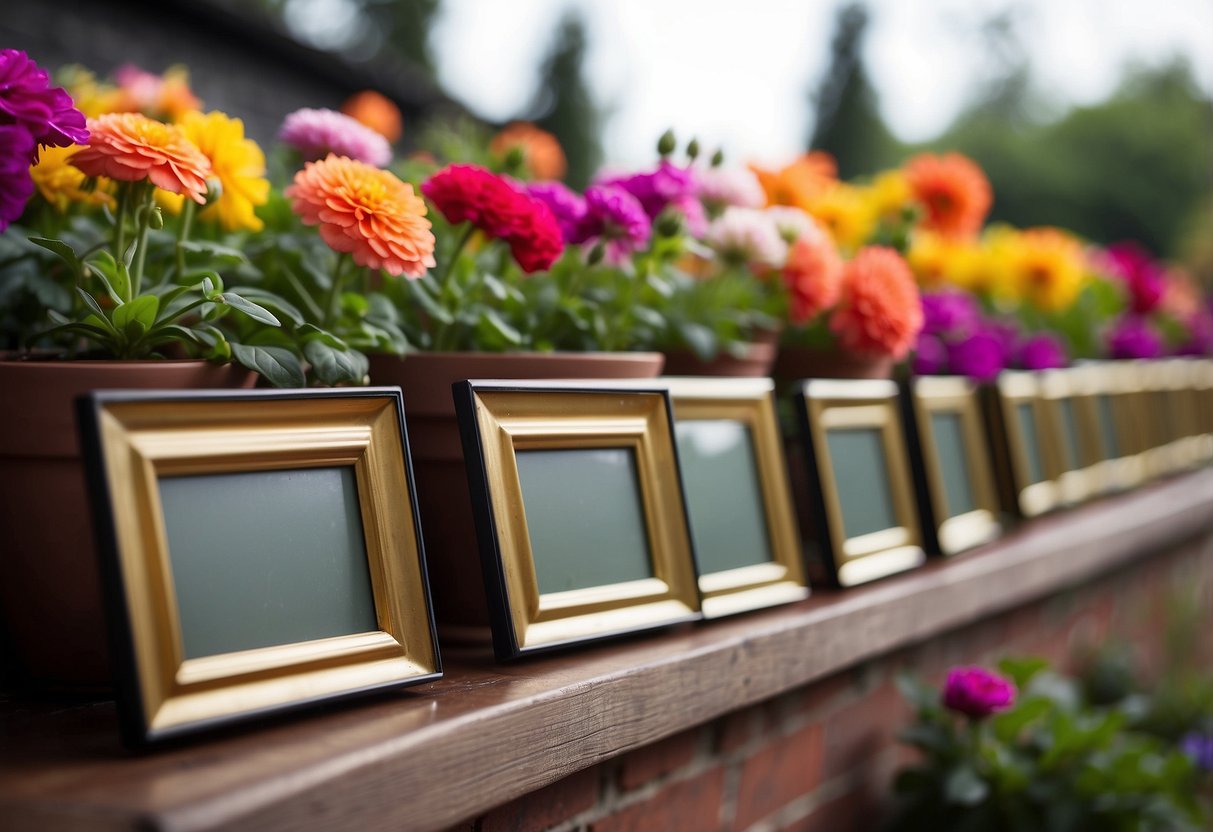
column 865, row 521
column 1068, row 414
column 499, row 421
column 1023, row 444
column 740, row 410
column 140, row 444
column 950, row 403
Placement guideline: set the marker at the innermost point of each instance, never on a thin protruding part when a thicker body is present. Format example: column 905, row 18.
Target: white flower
column 722, row 187
column 747, row 235
column 793, row 223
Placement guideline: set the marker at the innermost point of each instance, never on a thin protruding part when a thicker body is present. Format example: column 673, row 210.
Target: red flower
column 466, row 193
column 953, row 190
column 879, row 309
column 813, row 276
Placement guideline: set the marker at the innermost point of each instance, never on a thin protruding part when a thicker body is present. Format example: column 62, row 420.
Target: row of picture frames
column 261, row 550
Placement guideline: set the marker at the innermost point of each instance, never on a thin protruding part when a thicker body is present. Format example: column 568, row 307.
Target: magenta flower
column 1200, row 335
column 27, row 100
column 317, row 133
column 567, row 206
column 618, row 219
column 1042, row 351
column 980, row 356
column 930, row 355
column 1143, row 277
column 658, row 188
column 977, row 692
column 1133, row 337
column 951, row 313
column 16, row 185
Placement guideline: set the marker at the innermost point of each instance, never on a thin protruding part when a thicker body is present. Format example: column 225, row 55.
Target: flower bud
column 668, row 224
column 596, row 254
column 718, row 158
column 667, row 143
column 515, row 159
column 155, row 220
column 214, row 190
column 693, row 149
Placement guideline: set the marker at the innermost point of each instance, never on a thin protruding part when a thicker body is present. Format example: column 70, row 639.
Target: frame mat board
column 516, row 609
column 161, row 695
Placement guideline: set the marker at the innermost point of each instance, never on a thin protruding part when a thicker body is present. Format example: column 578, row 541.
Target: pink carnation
column 747, row 235
column 977, row 692
column 317, row 133
column 720, row 188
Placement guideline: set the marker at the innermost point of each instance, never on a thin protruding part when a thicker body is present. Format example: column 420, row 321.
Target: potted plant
column 102, row 287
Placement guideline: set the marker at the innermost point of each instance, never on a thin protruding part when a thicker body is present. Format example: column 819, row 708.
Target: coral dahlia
column 879, row 309
column 131, row 147
column 953, row 190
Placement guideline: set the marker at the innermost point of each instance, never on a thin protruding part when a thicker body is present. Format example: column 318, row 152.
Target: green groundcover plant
column 1032, row 751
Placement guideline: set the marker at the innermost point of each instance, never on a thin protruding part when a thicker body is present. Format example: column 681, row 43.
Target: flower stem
column 332, row 303
column 183, row 234
column 144, row 217
column 444, row 333
column 124, row 191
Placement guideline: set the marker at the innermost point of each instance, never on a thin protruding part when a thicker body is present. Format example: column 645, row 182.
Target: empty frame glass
column 1023, row 444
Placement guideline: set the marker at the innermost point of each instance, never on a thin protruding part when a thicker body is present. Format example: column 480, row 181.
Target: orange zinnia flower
column 801, row 182
column 953, row 190
column 376, row 112
column 879, row 309
column 541, row 152
column 132, row 147
column 365, row 212
column 813, row 276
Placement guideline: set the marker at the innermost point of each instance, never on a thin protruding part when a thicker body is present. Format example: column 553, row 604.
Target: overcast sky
column 738, row 73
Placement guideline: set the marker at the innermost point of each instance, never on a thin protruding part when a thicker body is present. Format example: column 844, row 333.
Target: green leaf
column 64, row 251
column 113, row 276
column 430, row 306
column 965, row 787
column 699, row 338
column 334, row 366
column 308, row 332
column 279, row 366
column 142, row 310
column 1022, row 670
column 225, row 255
column 92, row 304
column 257, row 313
column 494, row 328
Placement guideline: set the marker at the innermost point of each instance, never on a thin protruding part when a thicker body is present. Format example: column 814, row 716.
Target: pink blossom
column 977, row 692
column 317, row 133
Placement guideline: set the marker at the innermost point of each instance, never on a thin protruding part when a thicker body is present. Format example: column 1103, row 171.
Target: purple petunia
column 949, row 313
column 27, row 100
column 1199, row 748
column 930, row 355
column 981, row 356
column 317, row 133
column 16, row 185
column 618, row 219
column 666, row 185
column 1133, row 337
column 567, row 206
column 1042, row 351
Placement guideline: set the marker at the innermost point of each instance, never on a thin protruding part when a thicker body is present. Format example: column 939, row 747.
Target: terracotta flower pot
column 50, row 597
column 452, row 554
column 794, row 363
column 755, row 361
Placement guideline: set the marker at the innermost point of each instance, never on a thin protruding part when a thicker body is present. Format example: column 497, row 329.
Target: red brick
column 862, row 730
column 738, row 729
column 546, row 807
column 852, row 810
column 649, row 763
column 825, row 693
column 787, row 768
column 685, row 804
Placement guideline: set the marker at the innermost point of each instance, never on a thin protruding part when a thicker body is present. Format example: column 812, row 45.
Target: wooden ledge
column 434, row 755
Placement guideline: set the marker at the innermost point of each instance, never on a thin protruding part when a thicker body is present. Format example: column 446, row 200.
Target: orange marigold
column 953, row 191
column 541, row 152
column 131, row 147
column 879, row 309
column 801, row 182
column 377, row 112
column 813, row 276
column 365, row 212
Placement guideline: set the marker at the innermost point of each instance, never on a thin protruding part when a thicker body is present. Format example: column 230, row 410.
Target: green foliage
column 1054, row 761
column 564, row 106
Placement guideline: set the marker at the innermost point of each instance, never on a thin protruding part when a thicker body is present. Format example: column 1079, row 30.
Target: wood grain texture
column 430, row 756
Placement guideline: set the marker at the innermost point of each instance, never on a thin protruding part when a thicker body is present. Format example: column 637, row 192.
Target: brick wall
column 822, row 757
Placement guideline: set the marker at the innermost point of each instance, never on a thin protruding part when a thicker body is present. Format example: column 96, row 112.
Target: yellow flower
column 236, row 162
column 846, row 214
column 937, row 262
column 61, row 184
column 888, row 195
column 1046, row 268
column 989, row 268
column 90, row 96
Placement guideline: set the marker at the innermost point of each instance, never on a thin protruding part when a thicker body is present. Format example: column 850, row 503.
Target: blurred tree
column 1137, row 165
column 564, row 106
column 847, row 121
